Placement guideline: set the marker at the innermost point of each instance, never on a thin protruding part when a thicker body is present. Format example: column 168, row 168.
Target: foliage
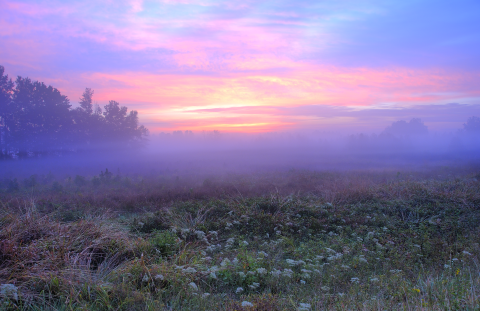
column 370, row 241
column 37, row 119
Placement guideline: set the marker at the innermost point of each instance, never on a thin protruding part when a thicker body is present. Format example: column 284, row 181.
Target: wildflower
column 263, row 253
column 145, row 278
column 8, row 291
column 275, row 273
column 304, row 307
column 262, row 271
column 467, row 253
column 446, row 266
column 242, row 275
column 287, row 273
column 228, row 225
column 355, row 280
column 159, row 277
column 395, row 271
column 457, row 272
column 205, row 295
column 341, row 294
column 239, row 290
column 244, row 243
column 325, row 288
column 189, row 270
column 416, row 290
column 374, row 280
column 385, row 229
column 247, row 304
column 193, row 286
column 213, row 275
column 200, row 234
column 235, row 261
column 302, row 282
column 225, row 262
column 254, row 285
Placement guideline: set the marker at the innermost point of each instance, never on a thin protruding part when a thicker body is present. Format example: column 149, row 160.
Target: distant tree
column 6, row 92
column 36, row 118
column 40, row 117
column 473, row 125
column 406, row 129
column 86, row 101
column 122, row 126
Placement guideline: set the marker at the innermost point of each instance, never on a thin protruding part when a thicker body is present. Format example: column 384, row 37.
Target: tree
column 406, row 129
column 6, row 91
column 36, row 118
column 41, row 117
column 473, row 125
column 86, row 102
column 122, row 126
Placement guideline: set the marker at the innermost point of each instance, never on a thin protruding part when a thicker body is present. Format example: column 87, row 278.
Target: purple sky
column 255, row 66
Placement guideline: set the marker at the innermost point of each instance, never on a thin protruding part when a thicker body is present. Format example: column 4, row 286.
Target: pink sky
column 254, row 67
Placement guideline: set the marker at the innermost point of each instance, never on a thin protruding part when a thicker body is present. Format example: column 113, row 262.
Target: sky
column 255, row 66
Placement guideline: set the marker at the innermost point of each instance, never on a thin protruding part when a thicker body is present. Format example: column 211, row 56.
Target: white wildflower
column 239, row 290
column 330, row 250
column 241, row 274
column 262, row 271
column 275, row 273
column 254, row 285
column 213, row 275
column 244, row 243
column 159, row 277
column 287, row 273
column 200, row 234
column 225, row 262
column 467, row 253
column 304, row 307
column 193, row 286
column 395, row 271
column 374, row 280
column 263, row 253
column 145, row 278
column 341, row 294
column 205, row 295
column 325, row 288
column 189, row 270
column 247, row 304
column 302, row 282
column 355, row 280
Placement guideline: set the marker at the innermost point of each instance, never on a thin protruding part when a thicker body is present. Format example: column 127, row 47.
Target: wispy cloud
column 186, row 62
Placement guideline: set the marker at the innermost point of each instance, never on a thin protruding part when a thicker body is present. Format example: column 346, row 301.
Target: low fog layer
column 41, row 132
column 403, row 145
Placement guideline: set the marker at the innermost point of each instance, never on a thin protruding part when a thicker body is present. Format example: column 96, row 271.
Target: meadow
column 283, row 240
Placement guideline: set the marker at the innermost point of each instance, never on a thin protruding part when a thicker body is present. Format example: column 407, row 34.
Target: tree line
column 36, row 119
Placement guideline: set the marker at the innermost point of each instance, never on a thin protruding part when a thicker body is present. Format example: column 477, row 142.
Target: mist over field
column 212, row 153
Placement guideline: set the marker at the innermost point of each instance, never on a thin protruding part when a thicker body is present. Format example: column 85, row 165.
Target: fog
column 403, row 145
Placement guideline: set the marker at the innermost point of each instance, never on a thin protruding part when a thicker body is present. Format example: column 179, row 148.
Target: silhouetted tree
column 473, row 125
column 35, row 119
column 6, row 92
column 40, row 118
column 406, row 129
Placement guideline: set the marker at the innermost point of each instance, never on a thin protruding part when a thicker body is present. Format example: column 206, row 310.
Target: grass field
column 297, row 240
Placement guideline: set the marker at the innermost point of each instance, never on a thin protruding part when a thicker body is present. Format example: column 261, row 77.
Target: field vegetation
column 297, row 240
